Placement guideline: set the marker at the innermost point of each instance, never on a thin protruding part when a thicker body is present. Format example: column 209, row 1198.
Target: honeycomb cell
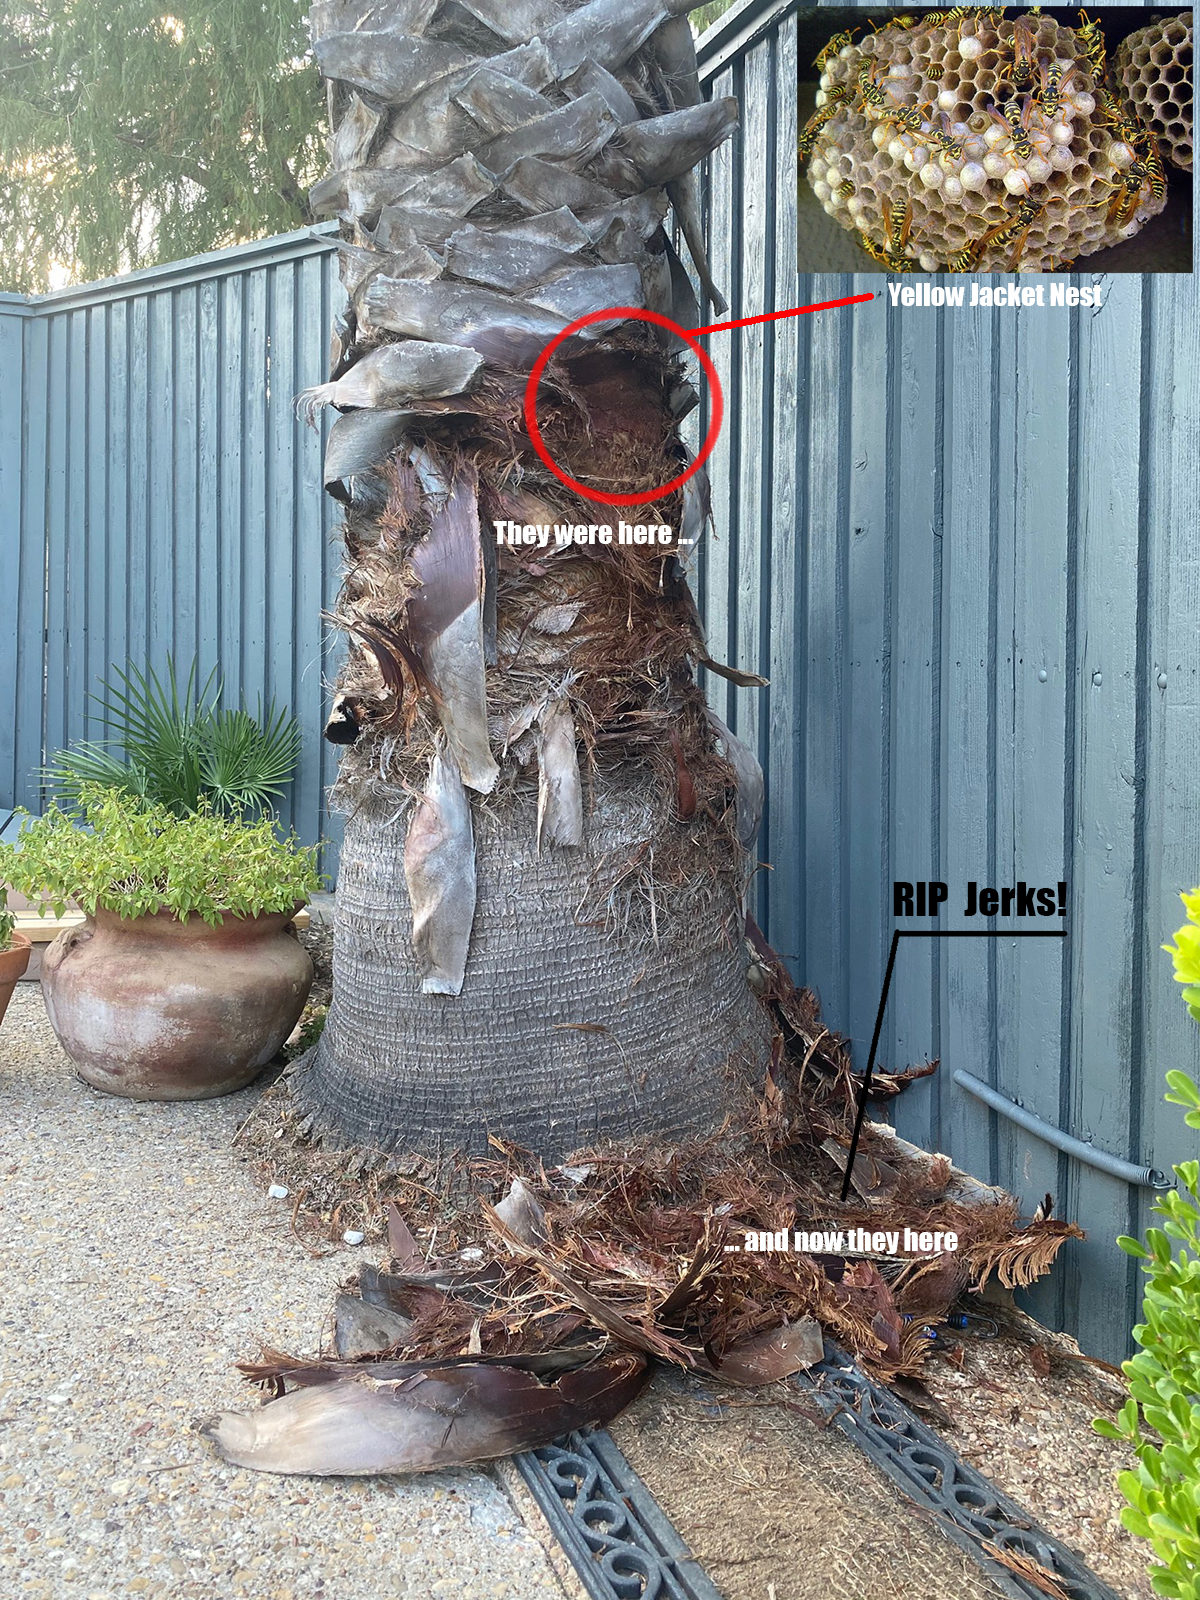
column 1153, row 73
column 967, row 198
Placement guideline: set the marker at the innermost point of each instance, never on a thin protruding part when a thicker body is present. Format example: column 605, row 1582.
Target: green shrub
column 132, row 857
column 1164, row 1380
column 181, row 747
column 1185, row 952
column 7, row 921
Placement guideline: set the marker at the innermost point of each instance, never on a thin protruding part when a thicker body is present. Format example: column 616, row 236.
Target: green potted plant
column 181, row 746
column 14, row 953
column 185, row 977
column 1161, row 1418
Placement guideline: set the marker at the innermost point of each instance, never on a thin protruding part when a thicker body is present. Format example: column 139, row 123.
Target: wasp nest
column 1154, row 70
column 976, row 142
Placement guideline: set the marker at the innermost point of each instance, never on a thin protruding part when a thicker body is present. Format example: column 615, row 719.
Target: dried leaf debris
column 527, row 1312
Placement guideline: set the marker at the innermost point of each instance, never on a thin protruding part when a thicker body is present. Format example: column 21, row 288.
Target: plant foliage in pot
column 14, row 953
column 186, row 976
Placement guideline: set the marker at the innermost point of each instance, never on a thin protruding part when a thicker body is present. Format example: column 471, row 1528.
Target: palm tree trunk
column 540, row 925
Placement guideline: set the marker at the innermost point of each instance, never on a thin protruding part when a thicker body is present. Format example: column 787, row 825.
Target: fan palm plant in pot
column 185, row 977
column 14, row 953
column 180, row 745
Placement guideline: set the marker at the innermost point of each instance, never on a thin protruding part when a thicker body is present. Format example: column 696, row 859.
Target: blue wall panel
column 962, row 544
column 159, row 497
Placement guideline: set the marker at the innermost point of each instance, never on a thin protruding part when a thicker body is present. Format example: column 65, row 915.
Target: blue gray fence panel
column 962, row 546
column 161, row 498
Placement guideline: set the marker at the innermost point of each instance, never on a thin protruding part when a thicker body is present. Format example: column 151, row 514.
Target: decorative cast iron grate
column 624, row 1547
column 969, row 1510
column 608, row 1522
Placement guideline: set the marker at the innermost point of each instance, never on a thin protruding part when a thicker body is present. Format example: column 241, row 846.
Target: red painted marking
column 623, row 314
column 773, row 316
column 716, row 399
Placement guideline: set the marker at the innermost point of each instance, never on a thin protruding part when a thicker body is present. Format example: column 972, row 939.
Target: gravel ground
column 139, row 1262
column 1020, row 1409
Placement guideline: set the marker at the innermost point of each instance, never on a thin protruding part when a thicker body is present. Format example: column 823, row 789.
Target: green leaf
column 1135, row 1522
column 1185, row 1090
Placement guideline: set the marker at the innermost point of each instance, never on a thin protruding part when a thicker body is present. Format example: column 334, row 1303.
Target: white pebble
column 353, row 1236
column 969, row 48
column 973, row 176
column 948, row 99
column 931, row 175
column 277, row 1192
column 470, row 1254
column 1120, row 154
column 928, row 263
column 995, row 165
column 1017, row 181
column 1038, row 169
column 952, row 187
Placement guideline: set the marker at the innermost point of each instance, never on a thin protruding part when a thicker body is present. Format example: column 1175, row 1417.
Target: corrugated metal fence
column 158, row 496
column 960, row 544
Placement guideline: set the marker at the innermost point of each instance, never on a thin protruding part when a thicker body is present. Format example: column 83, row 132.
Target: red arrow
column 796, row 311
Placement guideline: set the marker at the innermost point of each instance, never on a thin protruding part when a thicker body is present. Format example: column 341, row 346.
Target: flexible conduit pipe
column 1126, row 1171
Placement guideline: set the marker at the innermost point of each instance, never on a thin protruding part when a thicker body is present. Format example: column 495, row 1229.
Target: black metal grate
column 608, row 1522
column 969, row 1509
column 625, row 1548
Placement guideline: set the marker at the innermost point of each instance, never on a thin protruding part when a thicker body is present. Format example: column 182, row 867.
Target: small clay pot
column 13, row 962
column 158, row 1009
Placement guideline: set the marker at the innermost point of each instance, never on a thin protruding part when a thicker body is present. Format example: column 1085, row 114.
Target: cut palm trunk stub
column 547, row 841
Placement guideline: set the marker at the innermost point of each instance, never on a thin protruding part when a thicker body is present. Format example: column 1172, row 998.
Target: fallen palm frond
column 427, row 1417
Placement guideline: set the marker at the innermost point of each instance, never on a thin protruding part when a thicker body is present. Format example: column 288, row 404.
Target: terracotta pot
column 158, row 1009
column 13, row 962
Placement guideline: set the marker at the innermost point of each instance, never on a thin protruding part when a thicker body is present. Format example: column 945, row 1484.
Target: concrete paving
column 138, row 1261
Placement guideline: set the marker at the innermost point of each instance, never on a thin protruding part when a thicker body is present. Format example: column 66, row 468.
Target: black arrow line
column 922, row 933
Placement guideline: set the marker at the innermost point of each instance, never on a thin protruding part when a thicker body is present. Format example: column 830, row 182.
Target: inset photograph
column 982, row 139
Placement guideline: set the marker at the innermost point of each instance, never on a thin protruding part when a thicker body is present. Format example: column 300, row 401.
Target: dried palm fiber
column 539, row 905
column 634, row 1252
